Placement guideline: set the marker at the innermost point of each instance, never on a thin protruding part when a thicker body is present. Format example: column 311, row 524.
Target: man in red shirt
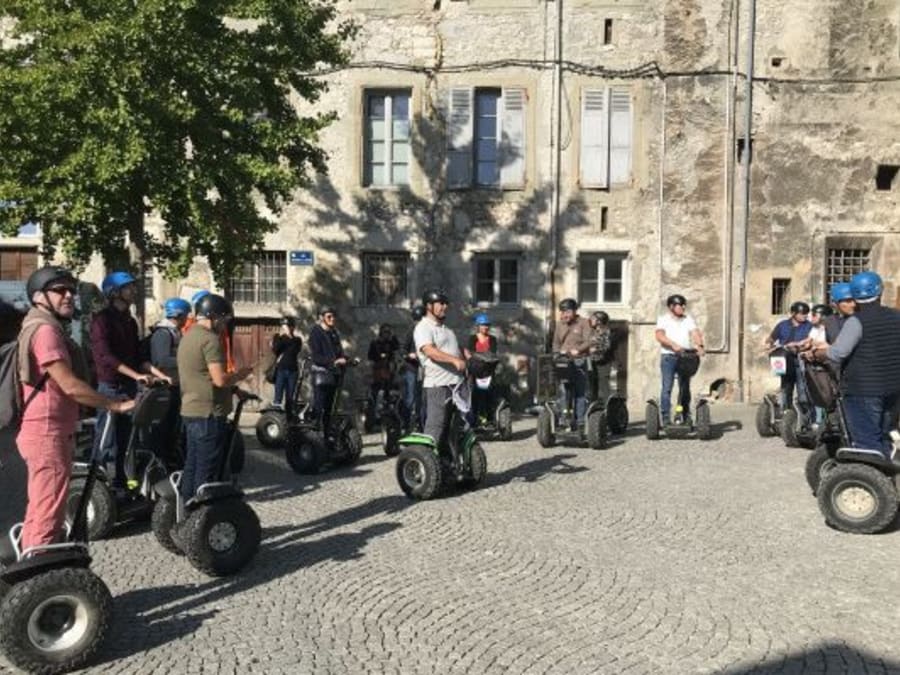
column 51, row 363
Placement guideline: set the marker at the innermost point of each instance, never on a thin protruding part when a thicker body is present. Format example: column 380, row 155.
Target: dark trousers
column 437, row 404
column 206, row 437
column 870, row 419
column 164, row 436
column 412, row 398
column 323, row 401
column 578, row 380
column 482, row 406
column 120, row 430
column 669, row 369
column 285, row 385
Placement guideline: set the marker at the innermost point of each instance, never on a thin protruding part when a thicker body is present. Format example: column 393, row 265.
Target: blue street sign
column 303, row 258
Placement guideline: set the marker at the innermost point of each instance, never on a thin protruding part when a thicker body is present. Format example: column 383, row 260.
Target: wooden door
column 17, row 264
column 251, row 344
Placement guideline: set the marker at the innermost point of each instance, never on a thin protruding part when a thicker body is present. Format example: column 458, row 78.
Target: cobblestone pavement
column 663, row 557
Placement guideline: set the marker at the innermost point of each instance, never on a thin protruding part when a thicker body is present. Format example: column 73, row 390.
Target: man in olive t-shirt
column 206, row 391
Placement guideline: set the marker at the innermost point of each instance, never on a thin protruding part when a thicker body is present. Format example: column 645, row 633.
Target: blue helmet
column 115, row 281
column 866, row 285
column 840, row 291
column 198, row 296
column 482, row 319
column 176, row 307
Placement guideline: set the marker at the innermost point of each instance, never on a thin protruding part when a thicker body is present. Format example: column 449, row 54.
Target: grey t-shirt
column 429, row 332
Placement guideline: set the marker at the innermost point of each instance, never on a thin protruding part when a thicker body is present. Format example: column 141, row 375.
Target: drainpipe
column 556, row 125
column 745, row 161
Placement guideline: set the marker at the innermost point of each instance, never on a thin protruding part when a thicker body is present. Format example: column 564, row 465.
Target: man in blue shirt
column 787, row 333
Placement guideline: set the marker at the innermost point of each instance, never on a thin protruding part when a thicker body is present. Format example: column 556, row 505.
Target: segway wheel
column 477, row 467
column 504, row 423
column 56, row 621
column 305, row 452
column 789, row 428
column 222, row 537
column 545, row 434
column 351, row 447
column 390, row 438
column 596, row 429
column 617, row 415
column 238, row 453
column 651, row 413
column 162, row 521
column 270, row 429
column 419, row 473
column 819, row 462
column 764, row 426
column 857, row 498
column 101, row 507
column 703, row 423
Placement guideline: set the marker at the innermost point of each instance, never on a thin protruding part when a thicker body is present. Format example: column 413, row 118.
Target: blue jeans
column 120, row 429
column 669, row 367
column 206, row 438
column 578, row 380
column 869, row 420
column 412, row 397
column 285, row 384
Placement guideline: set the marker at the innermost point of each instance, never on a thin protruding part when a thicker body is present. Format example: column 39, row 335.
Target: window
column 386, row 278
column 606, row 137
column 781, row 294
column 262, row 281
column 843, row 263
column 885, row 175
column 387, row 138
column 602, row 278
column 497, row 280
column 17, row 264
column 486, row 138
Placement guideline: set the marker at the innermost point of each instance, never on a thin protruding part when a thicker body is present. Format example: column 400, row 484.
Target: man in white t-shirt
column 442, row 362
column 676, row 332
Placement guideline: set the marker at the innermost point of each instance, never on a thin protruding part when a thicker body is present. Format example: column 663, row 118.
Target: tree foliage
column 114, row 109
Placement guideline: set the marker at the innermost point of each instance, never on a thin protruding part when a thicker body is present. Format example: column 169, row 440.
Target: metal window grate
column 781, row 293
column 843, row 263
column 385, row 278
column 263, row 281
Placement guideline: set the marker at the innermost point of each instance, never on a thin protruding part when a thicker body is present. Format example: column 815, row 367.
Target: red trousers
column 49, row 462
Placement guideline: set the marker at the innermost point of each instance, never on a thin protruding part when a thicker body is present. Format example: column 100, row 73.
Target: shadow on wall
column 443, row 230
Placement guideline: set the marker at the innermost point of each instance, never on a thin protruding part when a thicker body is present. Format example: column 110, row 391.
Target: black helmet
column 213, row 307
column 568, row 303
column 799, row 308
column 287, row 321
column 434, row 295
column 43, row 277
column 418, row 312
column 676, row 299
column 326, row 309
column 600, row 317
column 822, row 310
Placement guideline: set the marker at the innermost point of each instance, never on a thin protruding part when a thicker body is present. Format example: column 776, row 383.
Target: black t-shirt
column 288, row 348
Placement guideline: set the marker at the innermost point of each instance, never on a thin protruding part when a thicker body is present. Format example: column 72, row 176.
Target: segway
column 388, row 410
column 215, row 529
column 54, row 612
column 272, row 425
column 798, row 423
column 309, row 447
column 681, row 425
column 426, row 467
column 497, row 420
column 559, row 424
column 615, row 404
column 144, row 468
column 769, row 411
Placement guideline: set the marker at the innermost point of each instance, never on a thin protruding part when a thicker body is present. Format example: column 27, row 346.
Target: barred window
column 262, row 281
column 843, row 263
column 781, row 294
column 385, row 278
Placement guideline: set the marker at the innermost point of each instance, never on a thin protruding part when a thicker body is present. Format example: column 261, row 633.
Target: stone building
column 516, row 152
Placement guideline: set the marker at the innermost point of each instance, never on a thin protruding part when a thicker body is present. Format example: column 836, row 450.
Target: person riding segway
column 490, row 411
column 413, row 407
column 859, row 494
column 284, row 373
column 602, row 355
column 570, row 414
column 382, row 355
column 681, row 346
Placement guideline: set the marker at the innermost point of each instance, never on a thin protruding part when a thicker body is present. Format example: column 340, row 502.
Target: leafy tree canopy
column 113, row 109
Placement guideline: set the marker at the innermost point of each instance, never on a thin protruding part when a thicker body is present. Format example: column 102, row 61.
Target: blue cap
column 176, row 307
column 482, row 319
column 866, row 285
column 114, row 281
column 840, row 291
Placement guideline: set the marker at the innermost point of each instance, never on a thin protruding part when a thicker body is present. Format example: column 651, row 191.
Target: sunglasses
column 328, row 316
column 63, row 290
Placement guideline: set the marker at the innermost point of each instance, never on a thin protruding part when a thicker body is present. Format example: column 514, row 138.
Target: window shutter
column 594, row 134
column 511, row 150
column 459, row 139
column 620, row 136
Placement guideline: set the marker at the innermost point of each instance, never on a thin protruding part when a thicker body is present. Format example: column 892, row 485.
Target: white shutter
column 511, row 140
column 594, row 135
column 459, row 138
column 620, row 136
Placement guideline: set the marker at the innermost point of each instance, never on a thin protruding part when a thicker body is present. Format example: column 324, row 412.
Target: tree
column 114, row 109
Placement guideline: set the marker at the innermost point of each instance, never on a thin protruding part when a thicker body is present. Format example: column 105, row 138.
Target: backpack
column 12, row 407
column 145, row 351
